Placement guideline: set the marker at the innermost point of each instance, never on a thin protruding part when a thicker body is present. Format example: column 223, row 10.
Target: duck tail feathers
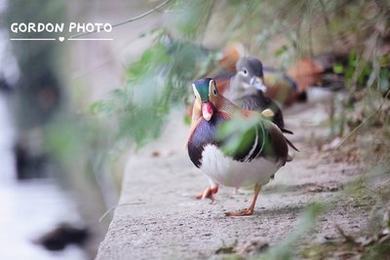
column 286, row 131
column 291, row 145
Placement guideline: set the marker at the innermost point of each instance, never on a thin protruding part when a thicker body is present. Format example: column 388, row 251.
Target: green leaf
column 338, row 68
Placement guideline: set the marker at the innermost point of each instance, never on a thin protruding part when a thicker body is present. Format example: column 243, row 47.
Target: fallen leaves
column 353, row 246
column 330, row 187
column 244, row 249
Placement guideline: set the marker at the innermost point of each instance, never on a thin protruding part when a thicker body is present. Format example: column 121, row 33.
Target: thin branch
column 142, row 15
column 211, row 8
column 132, row 19
column 310, row 11
column 379, row 110
column 105, row 214
column 348, row 238
column 327, row 23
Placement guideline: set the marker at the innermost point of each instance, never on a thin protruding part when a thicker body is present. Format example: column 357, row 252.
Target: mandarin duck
column 251, row 164
column 279, row 86
column 325, row 70
column 247, row 90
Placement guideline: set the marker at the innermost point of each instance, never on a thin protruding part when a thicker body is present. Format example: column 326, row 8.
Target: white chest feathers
column 228, row 172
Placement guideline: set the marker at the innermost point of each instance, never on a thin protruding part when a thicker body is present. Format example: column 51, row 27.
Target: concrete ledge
column 159, row 218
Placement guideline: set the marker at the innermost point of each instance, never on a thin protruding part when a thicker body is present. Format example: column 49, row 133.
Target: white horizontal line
column 90, row 39
column 32, row 39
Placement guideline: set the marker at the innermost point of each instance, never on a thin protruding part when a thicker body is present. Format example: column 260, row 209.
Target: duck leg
column 247, row 211
column 208, row 193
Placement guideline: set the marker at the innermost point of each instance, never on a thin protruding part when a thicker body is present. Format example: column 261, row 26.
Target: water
column 28, row 209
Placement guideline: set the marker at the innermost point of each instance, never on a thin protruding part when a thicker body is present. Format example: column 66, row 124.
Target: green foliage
column 283, row 30
column 191, row 17
column 284, row 250
column 372, row 193
column 38, row 64
column 377, row 251
column 160, row 79
column 357, row 71
column 81, row 138
column 237, row 134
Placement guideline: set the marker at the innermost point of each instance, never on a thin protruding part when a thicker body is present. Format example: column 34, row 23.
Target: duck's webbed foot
column 242, row 212
column 208, row 193
column 247, row 211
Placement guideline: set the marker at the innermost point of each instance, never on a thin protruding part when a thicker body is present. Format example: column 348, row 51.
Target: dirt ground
column 158, row 217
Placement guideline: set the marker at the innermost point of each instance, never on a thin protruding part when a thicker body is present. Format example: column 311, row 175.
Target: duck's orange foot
column 240, row 213
column 208, row 193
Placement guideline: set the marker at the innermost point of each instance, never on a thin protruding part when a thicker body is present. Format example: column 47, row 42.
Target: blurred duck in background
column 285, row 87
column 277, row 84
column 247, row 90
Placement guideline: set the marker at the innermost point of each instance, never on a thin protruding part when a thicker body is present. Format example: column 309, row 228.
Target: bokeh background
column 70, row 112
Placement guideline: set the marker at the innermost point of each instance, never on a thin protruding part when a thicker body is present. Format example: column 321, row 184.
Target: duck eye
column 245, row 71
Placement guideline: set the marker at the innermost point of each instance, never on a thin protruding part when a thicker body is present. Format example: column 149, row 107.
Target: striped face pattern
column 205, row 89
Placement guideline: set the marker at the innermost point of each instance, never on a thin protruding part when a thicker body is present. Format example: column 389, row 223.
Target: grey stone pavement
column 158, row 217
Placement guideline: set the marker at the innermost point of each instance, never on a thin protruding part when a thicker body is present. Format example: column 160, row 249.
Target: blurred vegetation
column 373, row 241
column 278, row 32
column 39, row 88
column 238, row 133
column 42, row 103
column 156, row 82
column 48, row 125
column 285, row 249
column 185, row 48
